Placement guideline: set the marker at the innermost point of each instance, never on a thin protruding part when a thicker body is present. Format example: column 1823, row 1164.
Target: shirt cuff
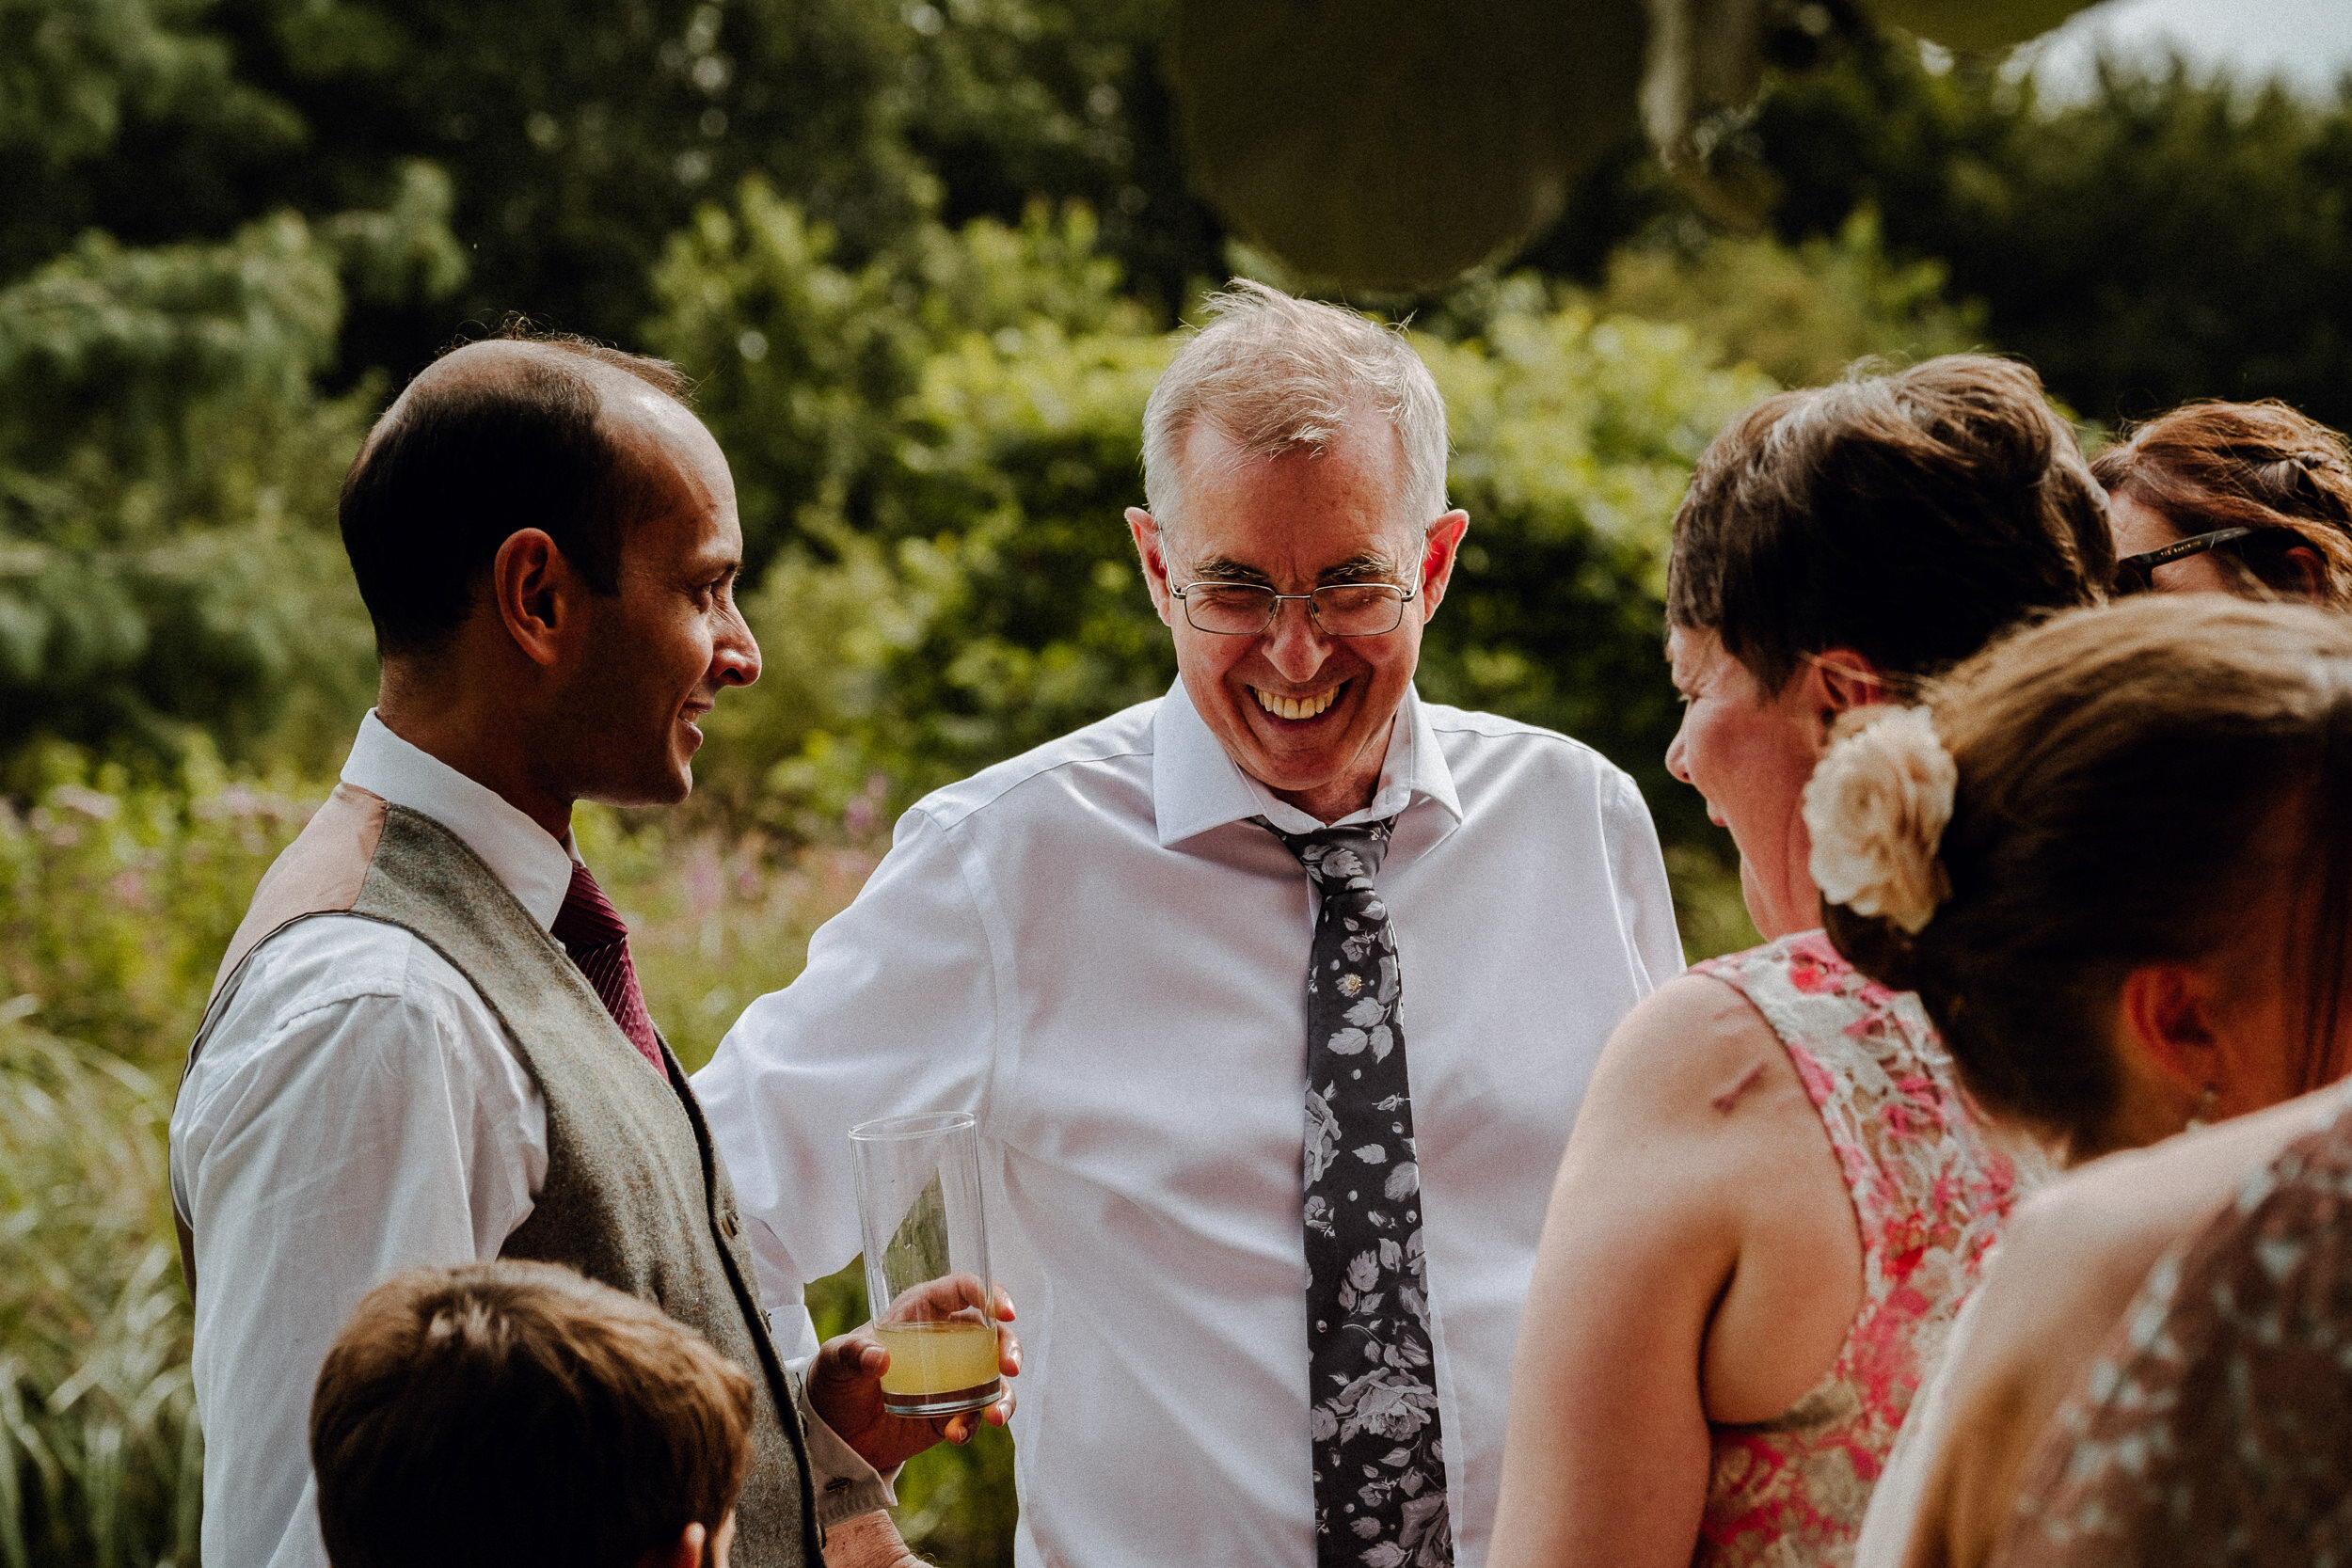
column 847, row 1486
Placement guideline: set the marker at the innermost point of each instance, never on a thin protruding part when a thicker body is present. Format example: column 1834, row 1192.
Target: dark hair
column 463, row 460
column 2208, row 466
column 507, row 1415
column 2128, row 778
column 1909, row 517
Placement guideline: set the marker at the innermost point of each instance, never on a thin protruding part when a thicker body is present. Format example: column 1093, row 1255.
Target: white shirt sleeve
column 1646, row 905
column 353, row 1112
column 897, row 1011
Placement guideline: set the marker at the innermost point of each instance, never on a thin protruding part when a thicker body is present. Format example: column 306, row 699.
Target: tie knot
column 587, row 921
column 1339, row 855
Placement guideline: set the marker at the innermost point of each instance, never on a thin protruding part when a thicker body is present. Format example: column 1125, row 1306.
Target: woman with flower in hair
column 2140, row 922
column 1775, row 1196
column 2251, row 498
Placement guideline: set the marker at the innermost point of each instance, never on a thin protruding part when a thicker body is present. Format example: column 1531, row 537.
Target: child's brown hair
column 518, row 1413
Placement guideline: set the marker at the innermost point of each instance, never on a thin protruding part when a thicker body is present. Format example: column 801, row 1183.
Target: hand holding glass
column 918, row 1201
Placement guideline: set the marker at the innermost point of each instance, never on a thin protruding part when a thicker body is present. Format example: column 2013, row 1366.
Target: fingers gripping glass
column 919, row 1210
column 2136, row 574
column 1341, row 610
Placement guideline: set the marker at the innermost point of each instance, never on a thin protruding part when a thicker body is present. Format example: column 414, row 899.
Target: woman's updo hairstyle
column 1909, row 515
column 2129, row 779
column 2208, row 466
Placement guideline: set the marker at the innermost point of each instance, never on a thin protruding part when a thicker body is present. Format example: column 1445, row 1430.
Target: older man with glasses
column 1178, row 962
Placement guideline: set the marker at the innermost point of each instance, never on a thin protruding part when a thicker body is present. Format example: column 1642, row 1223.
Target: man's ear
column 1147, row 537
column 2166, row 1012
column 684, row 1552
column 536, row 594
column 1840, row 680
column 1438, row 551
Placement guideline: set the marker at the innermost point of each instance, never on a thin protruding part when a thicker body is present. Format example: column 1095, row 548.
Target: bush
column 168, row 468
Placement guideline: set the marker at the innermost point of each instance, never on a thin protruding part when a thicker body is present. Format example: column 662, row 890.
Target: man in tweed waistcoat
column 427, row 1043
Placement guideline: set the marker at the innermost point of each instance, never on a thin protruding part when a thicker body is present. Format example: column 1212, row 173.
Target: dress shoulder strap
column 1872, row 1063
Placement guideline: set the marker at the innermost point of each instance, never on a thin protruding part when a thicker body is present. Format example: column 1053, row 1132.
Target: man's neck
column 1351, row 792
column 449, row 732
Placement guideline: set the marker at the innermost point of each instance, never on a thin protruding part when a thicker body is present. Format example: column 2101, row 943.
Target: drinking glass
column 918, row 1206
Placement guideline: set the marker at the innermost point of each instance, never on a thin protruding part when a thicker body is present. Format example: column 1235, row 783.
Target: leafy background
column 923, row 258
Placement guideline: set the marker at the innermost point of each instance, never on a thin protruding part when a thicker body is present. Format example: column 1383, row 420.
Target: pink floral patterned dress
column 1930, row 1192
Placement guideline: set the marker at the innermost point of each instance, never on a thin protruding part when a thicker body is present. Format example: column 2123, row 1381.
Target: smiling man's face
column 1304, row 713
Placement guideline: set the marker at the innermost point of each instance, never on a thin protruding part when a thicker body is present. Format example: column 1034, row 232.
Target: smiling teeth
column 1294, row 707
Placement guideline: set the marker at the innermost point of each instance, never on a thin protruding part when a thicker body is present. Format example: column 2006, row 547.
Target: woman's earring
column 2205, row 1103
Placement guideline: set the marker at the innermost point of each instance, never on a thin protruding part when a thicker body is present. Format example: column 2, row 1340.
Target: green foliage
column 2170, row 237
column 79, row 78
column 100, row 1458
column 115, row 899
column 1574, row 436
column 118, row 896
column 808, row 363
column 168, row 474
column 715, row 922
column 1800, row 313
column 575, row 145
column 959, row 420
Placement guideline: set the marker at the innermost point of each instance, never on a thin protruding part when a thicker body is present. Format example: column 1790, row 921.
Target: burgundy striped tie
column 592, row 933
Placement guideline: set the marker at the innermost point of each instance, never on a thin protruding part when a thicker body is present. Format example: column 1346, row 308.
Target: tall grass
column 99, row 1460
column 115, row 899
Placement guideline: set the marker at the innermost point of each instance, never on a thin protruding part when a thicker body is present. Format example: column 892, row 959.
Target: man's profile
column 427, row 1044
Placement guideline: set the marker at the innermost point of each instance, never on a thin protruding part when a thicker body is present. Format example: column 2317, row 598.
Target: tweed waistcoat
column 634, row 1195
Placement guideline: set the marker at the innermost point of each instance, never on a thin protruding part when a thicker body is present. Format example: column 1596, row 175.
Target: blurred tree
column 125, row 115
column 575, row 138
column 168, row 475
column 935, row 448
column 1804, row 313
column 2168, row 237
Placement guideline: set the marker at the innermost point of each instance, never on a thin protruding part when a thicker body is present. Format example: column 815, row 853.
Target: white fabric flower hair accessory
column 1877, row 806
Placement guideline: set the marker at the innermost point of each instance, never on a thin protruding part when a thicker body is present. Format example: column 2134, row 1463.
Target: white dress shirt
column 356, row 1110
column 1093, row 949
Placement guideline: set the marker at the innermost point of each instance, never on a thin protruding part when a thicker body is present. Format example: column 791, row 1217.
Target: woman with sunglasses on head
column 2250, row 498
column 2119, row 849
column 1774, row 1196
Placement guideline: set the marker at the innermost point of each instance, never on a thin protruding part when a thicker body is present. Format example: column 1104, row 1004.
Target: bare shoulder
column 1694, row 1057
column 2071, row 1262
column 2098, row 1232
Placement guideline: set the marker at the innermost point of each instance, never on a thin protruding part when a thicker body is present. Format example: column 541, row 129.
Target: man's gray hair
column 1276, row 376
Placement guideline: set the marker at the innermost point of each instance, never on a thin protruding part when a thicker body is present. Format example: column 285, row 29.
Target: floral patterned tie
column 1379, row 1462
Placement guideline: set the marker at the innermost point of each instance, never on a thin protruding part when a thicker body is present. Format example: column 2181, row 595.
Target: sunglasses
column 2136, row 574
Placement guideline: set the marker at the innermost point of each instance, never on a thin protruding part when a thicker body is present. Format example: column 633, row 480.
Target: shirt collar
column 1197, row 785
column 536, row 868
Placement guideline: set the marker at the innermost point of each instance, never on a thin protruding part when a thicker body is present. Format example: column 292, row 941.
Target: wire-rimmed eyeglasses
column 2136, row 574
column 1338, row 609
